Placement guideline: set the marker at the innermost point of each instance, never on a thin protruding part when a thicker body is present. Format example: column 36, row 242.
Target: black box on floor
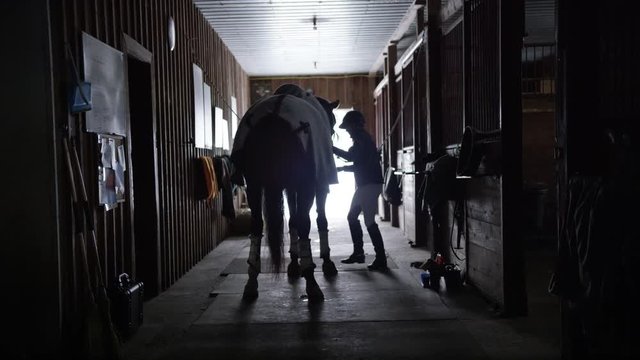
column 126, row 305
column 452, row 277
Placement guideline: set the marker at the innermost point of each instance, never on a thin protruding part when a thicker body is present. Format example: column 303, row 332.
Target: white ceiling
column 277, row 38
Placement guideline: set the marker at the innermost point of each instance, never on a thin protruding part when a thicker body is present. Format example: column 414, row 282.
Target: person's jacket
column 364, row 155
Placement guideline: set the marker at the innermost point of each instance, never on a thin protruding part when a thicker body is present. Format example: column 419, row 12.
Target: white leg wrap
column 306, row 261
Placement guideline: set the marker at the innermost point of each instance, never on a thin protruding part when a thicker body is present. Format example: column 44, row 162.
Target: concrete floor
column 366, row 315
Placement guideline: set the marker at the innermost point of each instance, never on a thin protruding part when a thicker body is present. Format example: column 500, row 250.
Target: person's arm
column 343, row 154
column 346, row 168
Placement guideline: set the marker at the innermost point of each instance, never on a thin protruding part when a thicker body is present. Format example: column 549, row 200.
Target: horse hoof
column 250, row 291
column 313, row 290
column 249, row 294
column 329, row 268
column 314, row 293
column 293, row 270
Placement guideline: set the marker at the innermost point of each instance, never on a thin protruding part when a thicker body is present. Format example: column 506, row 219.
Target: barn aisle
column 366, row 315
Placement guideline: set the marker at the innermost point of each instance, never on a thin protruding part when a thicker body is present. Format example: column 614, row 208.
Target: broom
column 100, row 340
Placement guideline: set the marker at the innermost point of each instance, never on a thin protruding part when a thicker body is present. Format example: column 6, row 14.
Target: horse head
column 328, row 108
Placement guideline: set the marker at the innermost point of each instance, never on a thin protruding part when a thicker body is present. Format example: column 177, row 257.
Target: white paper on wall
column 225, row 134
column 198, row 106
column 218, row 127
column 234, row 116
column 208, row 125
column 104, row 68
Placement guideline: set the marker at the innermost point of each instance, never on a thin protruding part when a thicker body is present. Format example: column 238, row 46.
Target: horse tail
column 274, row 214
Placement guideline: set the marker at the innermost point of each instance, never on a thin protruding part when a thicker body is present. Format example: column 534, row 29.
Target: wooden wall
column 189, row 228
column 352, row 90
column 485, row 264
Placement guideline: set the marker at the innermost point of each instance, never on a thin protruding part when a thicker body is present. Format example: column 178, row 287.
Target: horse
column 321, row 192
column 283, row 142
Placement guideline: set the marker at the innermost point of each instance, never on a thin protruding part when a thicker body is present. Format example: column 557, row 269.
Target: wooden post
column 433, row 87
column 511, row 25
column 575, row 125
column 392, row 108
column 419, row 71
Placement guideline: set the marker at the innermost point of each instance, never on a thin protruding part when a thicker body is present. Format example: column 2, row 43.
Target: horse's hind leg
column 305, row 200
column 251, row 287
column 254, row 197
column 328, row 267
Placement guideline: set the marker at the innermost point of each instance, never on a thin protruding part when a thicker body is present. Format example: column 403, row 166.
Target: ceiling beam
column 402, row 28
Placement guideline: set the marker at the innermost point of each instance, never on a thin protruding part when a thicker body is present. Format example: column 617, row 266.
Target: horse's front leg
column 293, row 269
column 328, row 267
column 251, row 287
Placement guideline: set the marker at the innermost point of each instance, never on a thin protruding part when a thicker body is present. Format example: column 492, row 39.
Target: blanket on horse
column 306, row 119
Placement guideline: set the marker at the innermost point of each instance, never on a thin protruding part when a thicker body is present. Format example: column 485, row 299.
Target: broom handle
column 79, row 224
column 89, row 215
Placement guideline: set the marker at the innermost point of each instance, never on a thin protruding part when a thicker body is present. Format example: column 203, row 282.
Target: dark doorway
column 144, row 173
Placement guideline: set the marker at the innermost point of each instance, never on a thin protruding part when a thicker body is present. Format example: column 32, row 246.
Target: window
column 222, row 130
column 202, row 110
column 234, row 116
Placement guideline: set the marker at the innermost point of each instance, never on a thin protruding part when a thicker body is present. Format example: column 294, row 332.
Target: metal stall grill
column 397, row 131
column 538, row 69
column 482, row 91
column 380, row 103
column 452, row 86
column 407, row 110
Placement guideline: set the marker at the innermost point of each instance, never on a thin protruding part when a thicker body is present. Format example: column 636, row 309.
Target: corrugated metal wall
column 189, row 229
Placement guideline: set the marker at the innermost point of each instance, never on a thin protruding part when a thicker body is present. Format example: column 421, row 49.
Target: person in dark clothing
column 368, row 176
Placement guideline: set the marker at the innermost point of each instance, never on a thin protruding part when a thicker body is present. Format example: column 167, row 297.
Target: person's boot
column 380, row 262
column 358, row 246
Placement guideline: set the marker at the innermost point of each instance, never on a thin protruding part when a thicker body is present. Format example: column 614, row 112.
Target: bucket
column 430, row 280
